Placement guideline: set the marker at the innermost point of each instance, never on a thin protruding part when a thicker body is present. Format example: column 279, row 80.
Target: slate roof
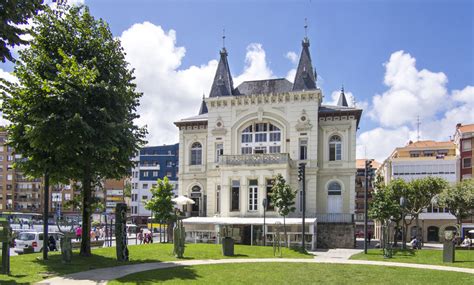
column 222, row 84
column 305, row 78
column 279, row 85
column 329, row 110
column 203, row 109
column 342, row 99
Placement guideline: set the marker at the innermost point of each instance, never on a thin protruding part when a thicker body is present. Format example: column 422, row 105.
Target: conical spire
column 203, row 109
column 305, row 76
column 222, row 85
column 342, row 99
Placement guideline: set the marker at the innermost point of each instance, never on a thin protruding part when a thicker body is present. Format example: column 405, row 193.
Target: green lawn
column 293, row 273
column 464, row 258
column 29, row 268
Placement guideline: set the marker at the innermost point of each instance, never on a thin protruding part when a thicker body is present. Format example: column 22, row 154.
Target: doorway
column 433, row 234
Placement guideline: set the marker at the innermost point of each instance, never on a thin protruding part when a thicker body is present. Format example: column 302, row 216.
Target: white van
column 33, row 240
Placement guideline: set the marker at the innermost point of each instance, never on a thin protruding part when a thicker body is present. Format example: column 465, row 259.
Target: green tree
column 459, row 199
column 423, row 194
column 160, row 203
column 75, row 103
column 14, row 15
column 283, row 197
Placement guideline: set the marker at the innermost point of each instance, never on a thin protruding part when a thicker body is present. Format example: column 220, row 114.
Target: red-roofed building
column 464, row 140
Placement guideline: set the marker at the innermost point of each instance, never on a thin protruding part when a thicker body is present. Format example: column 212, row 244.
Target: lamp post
column 264, row 204
column 403, row 204
column 368, row 169
column 301, row 178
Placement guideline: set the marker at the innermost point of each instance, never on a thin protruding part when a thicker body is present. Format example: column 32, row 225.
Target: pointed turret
column 222, row 85
column 305, row 76
column 203, row 109
column 342, row 99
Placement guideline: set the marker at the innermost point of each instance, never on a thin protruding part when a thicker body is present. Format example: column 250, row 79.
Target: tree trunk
column 418, row 235
column 45, row 215
column 86, row 215
column 284, row 229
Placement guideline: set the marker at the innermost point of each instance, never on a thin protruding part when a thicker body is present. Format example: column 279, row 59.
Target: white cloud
column 290, row 76
column 9, row 77
column 256, row 67
column 410, row 92
column 413, row 93
column 171, row 93
column 292, row 56
column 379, row 143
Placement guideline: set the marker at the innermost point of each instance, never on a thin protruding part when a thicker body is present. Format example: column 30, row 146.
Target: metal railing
column 335, row 218
column 254, row 159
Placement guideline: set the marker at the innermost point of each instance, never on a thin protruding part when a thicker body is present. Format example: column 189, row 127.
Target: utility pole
column 418, row 123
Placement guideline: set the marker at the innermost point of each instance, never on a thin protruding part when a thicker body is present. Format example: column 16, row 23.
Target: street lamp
column 368, row 170
column 403, row 204
column 264, row 204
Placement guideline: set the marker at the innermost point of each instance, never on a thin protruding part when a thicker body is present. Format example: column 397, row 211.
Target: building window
column 196, row 154
column 235, row 196
column 335, row 148
column 10, row 158
column 261, row 138
column 253, row 195
column 169, row 163
column 67, row 196
column 219, row 151
column 169, row 174
column 466, row 145
column 303, row 149
column 218, row 198
column 270, row 206
column 145, row 173
column 246, row 150
column 144, row 197
column 334, row 188
column 466, row 162
column 155, row 173
column 9, row 177
column 134, row 197
column 145, row 185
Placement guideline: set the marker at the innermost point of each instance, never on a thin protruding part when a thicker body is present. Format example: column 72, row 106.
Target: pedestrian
column 150, row 237
column 21, row 223
column 93, row 235
column 369, row 236
column 78, row 233
column 140, row 236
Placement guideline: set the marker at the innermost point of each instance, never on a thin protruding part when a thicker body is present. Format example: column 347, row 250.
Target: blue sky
column 350, row 43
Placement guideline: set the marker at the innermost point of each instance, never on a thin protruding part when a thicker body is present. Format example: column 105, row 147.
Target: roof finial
column 305, row 29
column 342, row 88
column 223, row 38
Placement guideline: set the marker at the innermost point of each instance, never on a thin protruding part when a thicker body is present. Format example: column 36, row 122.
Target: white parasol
column 471, row 231
column 182, row 200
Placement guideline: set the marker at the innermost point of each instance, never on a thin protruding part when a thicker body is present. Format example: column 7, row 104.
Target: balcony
column 331, row 218
column 254, row 159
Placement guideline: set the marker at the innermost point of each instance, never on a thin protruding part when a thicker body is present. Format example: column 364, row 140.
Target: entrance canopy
column 245, row 221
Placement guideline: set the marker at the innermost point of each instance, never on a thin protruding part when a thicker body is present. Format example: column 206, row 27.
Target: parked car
column 32, row 240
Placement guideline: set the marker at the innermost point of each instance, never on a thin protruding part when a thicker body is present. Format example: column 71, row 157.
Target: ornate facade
column 244, row 136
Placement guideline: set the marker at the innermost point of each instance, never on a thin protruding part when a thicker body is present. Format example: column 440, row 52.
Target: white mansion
column 245, row 135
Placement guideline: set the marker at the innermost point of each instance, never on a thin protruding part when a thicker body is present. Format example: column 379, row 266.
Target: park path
column 332, row 256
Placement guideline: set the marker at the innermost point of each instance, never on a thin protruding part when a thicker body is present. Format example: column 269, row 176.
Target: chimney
column 458, row 125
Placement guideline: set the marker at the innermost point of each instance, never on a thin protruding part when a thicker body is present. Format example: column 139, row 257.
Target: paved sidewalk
column 338, row 253
column 101, row 276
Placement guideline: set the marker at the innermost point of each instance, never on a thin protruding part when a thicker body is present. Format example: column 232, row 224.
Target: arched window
column 196, row 153
column 335, row 148
column 334, row 188
column 261, row 138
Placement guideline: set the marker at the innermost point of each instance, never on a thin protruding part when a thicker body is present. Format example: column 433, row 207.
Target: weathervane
column 223, row 38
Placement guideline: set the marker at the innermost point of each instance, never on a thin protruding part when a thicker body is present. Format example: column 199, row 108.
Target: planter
column 227, row 246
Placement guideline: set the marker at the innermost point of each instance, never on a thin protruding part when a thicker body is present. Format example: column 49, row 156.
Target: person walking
column 78, row 233
column 140, row 236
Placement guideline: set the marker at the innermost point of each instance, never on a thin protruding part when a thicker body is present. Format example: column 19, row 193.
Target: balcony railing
column 254, row 159
column 335, row 218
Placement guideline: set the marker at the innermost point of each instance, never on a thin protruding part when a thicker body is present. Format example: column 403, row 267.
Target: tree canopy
column 73, row 111
column 160, row 203
column 283, row 198
column 14, row 15
column 459, row 199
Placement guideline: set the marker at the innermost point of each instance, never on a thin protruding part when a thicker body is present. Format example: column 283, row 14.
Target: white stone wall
column 229, row 115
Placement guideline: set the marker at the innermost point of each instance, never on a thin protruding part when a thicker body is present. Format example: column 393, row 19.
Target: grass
column 293, row 273
column 463, row 258
column 30, row 268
